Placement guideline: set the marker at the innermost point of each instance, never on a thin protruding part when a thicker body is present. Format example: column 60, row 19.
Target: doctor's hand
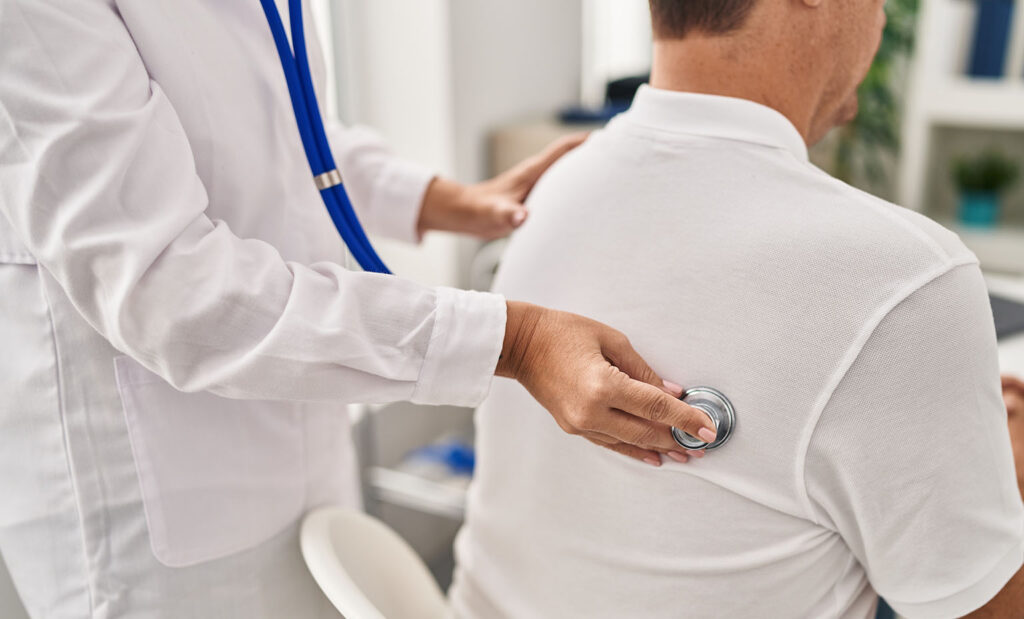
column 595, row 385
column 1013, row 394
column 494, row 208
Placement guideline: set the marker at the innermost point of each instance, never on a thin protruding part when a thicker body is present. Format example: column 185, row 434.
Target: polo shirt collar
column 715, row 116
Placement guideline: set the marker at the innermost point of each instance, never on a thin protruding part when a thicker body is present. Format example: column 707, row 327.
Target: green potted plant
column 860, row 155
column 981, row 179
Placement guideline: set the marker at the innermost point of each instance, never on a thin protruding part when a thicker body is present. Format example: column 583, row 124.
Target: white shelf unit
column 416, row 493
column 999, row 250
column 386, row 434
column 966, row 102
column 941, row 95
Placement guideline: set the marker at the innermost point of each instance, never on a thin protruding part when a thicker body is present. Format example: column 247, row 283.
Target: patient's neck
column 731, row 67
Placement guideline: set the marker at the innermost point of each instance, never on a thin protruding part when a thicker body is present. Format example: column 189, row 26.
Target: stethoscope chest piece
column 716, row 406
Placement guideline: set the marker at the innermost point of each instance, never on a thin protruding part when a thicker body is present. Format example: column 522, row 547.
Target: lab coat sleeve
column 911, row 461
column 387, row 191
column 99, row 181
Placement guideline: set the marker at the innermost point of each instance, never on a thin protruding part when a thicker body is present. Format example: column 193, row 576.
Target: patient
column 854, row 338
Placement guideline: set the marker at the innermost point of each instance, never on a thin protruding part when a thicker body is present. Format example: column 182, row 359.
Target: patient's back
column 853, row 338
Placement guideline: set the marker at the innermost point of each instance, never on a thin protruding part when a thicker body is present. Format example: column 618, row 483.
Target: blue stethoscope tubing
column 313, row 135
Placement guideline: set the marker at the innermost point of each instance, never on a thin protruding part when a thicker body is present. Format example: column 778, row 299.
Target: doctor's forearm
column 1013, row 396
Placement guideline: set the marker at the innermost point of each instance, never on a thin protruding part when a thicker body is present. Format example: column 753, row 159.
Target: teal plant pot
column 979, row 209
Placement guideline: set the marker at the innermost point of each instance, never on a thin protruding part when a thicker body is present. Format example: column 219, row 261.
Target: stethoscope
column 314, row 138
column 328, row 180
column 715, row 405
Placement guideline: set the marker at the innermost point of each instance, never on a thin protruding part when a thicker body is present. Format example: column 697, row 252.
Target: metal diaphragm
column 716, row 406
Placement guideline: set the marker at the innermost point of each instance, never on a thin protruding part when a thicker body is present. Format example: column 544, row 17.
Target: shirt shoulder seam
column 847, row 362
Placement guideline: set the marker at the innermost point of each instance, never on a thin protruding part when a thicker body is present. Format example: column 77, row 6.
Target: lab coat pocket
column 218, row 476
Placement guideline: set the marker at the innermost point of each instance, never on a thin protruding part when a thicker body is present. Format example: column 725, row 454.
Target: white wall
column 397, row 74
column 616, row 43
column 510, row 60
column 435, row 76
column 392, row 59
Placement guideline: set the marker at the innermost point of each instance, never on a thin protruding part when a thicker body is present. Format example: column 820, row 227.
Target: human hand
column 595, row 385
column 491, row 209
column 1013, row 395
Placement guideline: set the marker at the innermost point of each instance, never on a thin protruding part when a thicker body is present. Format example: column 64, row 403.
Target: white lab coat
column 178, row 337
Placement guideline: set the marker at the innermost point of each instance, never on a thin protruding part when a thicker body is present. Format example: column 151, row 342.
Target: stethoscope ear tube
column 314, row 137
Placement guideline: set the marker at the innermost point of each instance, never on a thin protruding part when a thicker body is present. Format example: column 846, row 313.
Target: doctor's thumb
column 620, row 353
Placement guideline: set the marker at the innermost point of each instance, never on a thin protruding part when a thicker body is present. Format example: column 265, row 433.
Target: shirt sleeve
column 98, row 179
column 910, row 461
column 387, row 191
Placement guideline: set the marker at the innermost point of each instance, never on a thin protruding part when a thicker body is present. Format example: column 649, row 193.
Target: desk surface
column 1011, row 351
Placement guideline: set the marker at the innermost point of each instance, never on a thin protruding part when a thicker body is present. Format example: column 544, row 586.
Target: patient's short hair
column 674, row 19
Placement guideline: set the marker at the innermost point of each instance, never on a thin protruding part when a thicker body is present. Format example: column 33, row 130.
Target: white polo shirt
column 853, row 337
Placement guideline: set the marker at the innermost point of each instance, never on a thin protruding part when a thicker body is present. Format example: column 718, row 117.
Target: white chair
column 366, row 570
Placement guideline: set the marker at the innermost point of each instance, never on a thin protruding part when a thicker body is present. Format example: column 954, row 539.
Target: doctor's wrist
column 441, row 206
column 521, row 326
column 1013, row 395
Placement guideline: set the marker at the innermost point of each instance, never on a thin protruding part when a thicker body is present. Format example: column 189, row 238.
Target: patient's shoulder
column 896, row 228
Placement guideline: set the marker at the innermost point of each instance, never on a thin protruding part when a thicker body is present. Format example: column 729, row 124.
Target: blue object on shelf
column 577, row 115
column 458, row 457
column 991, row 38
column 979, row 209
column 619, row 96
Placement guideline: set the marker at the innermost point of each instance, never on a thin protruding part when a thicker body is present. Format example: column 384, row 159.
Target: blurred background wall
column 436, row 76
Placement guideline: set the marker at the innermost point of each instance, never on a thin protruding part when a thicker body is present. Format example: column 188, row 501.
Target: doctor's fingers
column 1012, row 383
column 650, row 456
column 1014, row 405
column 525, row 175
column 648, row 402
column 621, row 427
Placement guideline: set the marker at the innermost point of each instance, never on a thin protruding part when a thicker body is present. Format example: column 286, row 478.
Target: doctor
column 179, row 336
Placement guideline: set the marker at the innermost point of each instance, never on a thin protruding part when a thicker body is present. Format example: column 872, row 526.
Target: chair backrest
column 366, row 570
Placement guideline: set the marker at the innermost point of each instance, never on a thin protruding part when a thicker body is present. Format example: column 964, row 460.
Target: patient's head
column 805, row 58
